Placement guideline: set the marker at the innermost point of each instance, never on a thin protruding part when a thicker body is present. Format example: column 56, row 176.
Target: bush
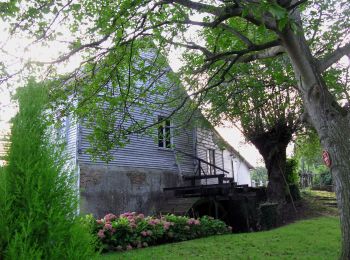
column 294, row 192
column 268, row 215
column 292, row 171
column 38, row 198
column 323, row 178
column 131, row 230
column 292, row 179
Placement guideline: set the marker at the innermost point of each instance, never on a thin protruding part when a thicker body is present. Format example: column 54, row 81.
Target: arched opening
column 209, row 207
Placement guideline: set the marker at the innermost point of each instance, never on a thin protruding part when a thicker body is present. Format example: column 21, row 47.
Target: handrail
column 201, row 160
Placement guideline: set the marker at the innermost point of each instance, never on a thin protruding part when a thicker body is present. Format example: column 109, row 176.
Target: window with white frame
column 211, row 160
column 164, row 132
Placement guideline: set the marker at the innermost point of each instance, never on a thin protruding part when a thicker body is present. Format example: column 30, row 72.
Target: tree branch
column 296, row 4
column 224, row 12
column 253, row 48
column 226, row 27
column 192, row 46
column 268, row 53
column 333, row 57
column 218, row 11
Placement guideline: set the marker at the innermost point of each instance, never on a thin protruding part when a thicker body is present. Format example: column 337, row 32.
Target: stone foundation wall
column 112, row 189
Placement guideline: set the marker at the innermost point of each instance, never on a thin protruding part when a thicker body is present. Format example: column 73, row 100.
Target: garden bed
column 131, row 230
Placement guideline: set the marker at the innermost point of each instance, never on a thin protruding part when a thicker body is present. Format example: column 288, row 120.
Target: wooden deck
column 223, row 189
column 224, row 185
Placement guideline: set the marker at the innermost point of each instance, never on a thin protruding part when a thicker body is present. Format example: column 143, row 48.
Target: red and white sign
column 326, row 158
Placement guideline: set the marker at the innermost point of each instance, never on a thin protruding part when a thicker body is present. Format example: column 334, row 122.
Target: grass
column 317, row 238
column 316, row 202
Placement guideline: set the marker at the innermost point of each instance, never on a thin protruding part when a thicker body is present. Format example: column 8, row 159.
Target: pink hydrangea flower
column 125, row 215
column 132, row 225
column 190, row 221
column 101, row 233
column 141, row 216
column 99, row 221
column 108, row 226
column 110, row 217
column 151, row 222
column 144, row 233
column 166, row 225
column 128, row 247
column 193, row 221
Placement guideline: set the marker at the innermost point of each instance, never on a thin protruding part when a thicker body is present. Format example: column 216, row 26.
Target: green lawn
column 308, row 239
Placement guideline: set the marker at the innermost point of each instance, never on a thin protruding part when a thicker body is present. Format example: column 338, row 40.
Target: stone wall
column 111, row 189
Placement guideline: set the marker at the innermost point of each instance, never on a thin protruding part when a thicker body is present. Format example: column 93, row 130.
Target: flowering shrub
column 131, row 230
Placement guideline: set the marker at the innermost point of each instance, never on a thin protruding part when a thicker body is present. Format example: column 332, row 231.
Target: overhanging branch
column 260, row 47
column 224, row 26
column 268, row 53
column 333, row 57
column 200, row 7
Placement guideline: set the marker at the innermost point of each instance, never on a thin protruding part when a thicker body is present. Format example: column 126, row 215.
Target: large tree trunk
column 272, row 146
column 275, row 161
column 329, row 119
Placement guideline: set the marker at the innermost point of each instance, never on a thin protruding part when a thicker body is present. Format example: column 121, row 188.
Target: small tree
column 259, row 174
column 292, row 178
column 38, row 200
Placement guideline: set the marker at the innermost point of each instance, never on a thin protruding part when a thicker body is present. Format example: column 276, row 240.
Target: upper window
column 164, row 132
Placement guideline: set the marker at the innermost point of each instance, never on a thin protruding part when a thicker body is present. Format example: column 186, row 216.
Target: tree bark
column 275, row 161
column 272, row 146
column 329, row 119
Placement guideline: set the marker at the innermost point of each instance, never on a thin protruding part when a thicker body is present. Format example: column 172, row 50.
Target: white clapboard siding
column 206, row 139
column 228, row 163
column 143, row 150
column 242, row 171
column 71, row 137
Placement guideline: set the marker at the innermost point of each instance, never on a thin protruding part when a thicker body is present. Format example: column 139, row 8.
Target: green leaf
column 277, row 11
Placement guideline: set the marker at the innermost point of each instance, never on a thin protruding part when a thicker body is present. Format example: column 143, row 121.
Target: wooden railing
column 200, row 161
column 200, row 173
